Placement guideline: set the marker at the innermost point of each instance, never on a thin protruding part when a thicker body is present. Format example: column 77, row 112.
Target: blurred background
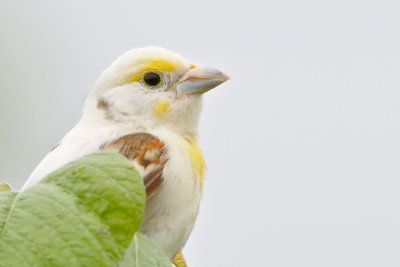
column 302, row 144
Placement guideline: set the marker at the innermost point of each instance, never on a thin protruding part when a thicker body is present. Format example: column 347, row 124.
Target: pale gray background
column 302, row 144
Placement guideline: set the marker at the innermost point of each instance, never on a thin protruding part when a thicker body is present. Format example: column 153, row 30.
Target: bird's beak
column 200, row 79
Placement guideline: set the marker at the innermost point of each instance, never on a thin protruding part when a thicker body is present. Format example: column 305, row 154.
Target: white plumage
column 122, row 103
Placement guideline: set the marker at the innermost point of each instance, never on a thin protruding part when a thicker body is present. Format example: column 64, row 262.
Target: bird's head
column 152, row 87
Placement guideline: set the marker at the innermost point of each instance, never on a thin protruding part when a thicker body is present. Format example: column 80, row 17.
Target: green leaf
column 142, row 252
column 83, row 214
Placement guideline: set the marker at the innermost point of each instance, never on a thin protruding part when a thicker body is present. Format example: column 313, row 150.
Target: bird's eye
column 152, row 79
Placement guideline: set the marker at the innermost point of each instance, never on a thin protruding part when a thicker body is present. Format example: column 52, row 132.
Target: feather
column 147, row 154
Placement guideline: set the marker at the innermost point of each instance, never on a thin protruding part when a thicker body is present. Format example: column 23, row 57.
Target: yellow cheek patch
column 197, row 160
column 160, row 108
column 158, row 65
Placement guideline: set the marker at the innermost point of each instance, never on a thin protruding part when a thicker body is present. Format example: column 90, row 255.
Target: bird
column 146, row 105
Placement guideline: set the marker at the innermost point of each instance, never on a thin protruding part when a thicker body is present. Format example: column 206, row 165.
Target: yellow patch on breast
column 196, row 159
column 160, row 108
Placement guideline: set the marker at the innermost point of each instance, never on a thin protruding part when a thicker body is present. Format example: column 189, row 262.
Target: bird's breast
column 171, row 213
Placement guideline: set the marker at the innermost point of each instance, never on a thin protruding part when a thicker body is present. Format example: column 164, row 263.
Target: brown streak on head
column 103, row 105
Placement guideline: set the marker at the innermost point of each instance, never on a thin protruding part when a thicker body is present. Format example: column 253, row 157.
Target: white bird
column 146, row 105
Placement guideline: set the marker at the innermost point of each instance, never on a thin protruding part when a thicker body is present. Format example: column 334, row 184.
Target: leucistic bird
column 146, row 106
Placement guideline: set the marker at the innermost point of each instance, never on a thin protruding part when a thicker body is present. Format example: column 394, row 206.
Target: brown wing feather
column 147, row 153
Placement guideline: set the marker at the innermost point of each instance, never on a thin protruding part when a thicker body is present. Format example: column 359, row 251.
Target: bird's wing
column 147, row 153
